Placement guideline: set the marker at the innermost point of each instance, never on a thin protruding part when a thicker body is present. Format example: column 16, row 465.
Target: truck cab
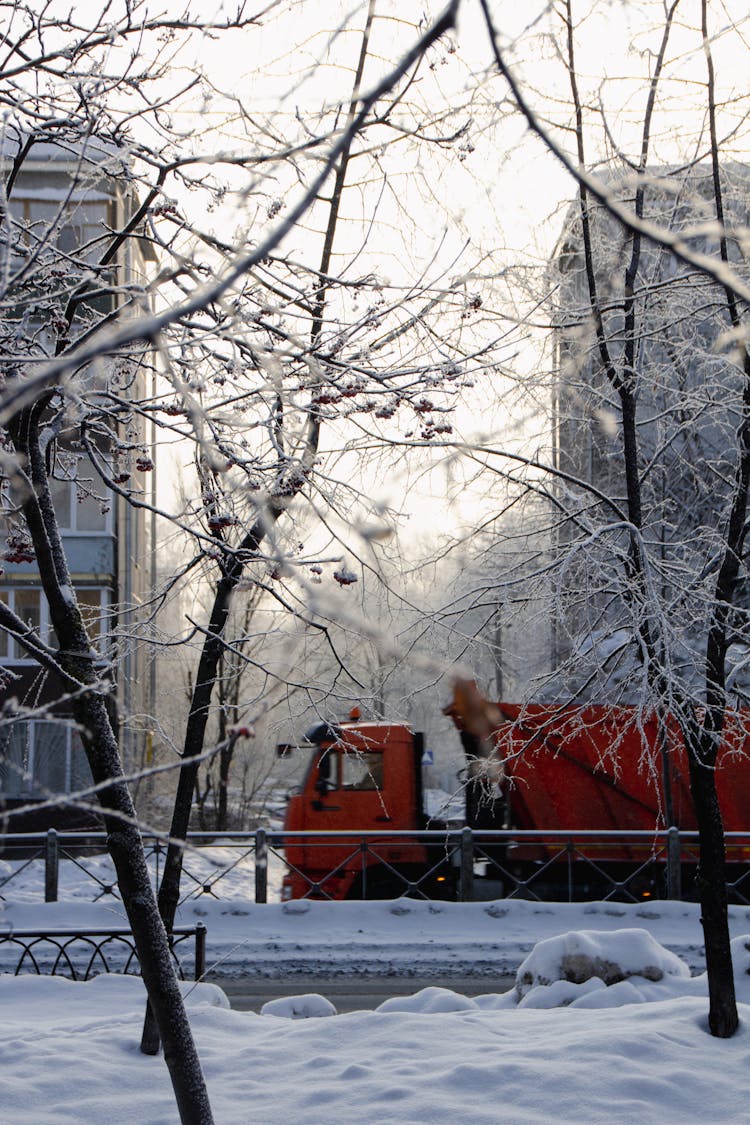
column 362, row 777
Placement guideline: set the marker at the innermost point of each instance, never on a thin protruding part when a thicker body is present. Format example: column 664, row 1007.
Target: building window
column 93, row 602
column 81, row 504
column 77, row 502
column 41, row 758
column 30, row 604
column 77, row 228
column 71, row 236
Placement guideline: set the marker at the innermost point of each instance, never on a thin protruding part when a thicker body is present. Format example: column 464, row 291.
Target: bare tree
column 77, row 352
column 648, row 492
column 323, row 364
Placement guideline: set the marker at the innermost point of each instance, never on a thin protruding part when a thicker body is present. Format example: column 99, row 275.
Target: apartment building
column 64, row 208
column 660, row 327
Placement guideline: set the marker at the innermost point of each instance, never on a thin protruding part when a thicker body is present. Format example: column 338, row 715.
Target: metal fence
column 83, row 954
column 556, row 866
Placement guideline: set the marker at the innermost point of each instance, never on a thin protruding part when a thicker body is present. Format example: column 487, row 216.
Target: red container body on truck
column 590, row 769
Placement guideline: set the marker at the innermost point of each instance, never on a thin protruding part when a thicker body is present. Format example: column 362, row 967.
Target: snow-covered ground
column 605, row 1024
column 632, row 1051
column 402, row 938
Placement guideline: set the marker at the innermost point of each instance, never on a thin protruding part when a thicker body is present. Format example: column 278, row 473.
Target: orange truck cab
column 362, row 776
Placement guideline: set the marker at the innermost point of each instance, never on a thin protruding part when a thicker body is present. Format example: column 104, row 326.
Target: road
column 345, row 993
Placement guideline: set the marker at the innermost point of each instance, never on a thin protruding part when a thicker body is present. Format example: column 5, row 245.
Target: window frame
column 16, row 654
column 69, row 212
column 30, row 785
column 70, row 525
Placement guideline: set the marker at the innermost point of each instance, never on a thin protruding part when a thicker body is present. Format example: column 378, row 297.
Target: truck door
column 361, row 783
column 352, row 790
column 348, row 794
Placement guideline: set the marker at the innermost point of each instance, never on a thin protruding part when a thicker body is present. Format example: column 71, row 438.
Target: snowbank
column 69, row 1052
column 305, row 1007
column 487, row 940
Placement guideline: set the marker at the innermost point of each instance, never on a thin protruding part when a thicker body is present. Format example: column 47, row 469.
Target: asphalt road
column 345, row 993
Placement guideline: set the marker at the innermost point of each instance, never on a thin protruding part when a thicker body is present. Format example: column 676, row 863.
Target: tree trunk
column 157, row 966
column 722, row 1016
column 222, row 810
column 89, row 705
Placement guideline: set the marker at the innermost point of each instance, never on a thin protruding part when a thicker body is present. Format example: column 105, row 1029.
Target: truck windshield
column 361, row 769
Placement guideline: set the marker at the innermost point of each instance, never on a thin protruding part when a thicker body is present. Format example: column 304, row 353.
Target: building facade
column 634, row 316
column 64, row 209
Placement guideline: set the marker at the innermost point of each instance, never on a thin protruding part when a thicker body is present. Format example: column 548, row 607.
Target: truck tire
column 379, row 884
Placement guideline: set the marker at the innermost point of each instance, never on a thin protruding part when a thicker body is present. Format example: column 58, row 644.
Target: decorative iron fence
column 83, row 954
column 464, row 864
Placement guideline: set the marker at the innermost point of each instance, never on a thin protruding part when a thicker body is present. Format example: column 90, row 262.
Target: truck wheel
column 378, row 885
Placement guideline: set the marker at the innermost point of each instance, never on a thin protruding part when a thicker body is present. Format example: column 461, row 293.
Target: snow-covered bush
column 566, row 970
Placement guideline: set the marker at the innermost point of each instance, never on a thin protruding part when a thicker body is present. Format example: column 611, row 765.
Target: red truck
column 590, row 769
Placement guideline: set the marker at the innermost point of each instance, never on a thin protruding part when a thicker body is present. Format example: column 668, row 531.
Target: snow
column 612, row 957
column 308, row 1006
column 405, row 938
column 429, row 1000
column 606, row 1022
column 69, row 1052
column 408, row 938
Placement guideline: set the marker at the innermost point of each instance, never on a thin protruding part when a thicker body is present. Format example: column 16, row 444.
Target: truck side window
column 326, row 768
column 362, row 769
